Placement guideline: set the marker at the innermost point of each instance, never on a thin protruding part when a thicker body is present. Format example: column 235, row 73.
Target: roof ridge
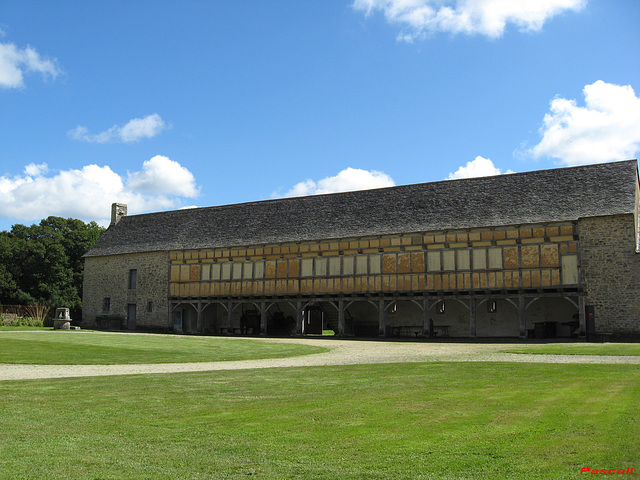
column 540, row 196
column 404, row 186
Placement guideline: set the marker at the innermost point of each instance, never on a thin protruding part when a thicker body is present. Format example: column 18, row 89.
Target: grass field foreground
column 15, row 328
column 400, row 421
column 624, row 349
column 91, row 348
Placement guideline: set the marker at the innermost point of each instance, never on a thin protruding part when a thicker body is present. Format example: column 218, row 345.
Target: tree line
column 42, row 264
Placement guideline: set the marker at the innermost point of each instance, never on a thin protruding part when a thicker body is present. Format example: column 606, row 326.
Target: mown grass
column 580, row 349
column 87, row 348
column 394, row 421
column 13, row 328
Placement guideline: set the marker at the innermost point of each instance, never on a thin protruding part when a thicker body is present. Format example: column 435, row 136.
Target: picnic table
column 443, row 330
column 405, row 330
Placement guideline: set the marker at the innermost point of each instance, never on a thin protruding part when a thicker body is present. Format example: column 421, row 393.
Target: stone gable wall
column 611, row 272
column 108, row 277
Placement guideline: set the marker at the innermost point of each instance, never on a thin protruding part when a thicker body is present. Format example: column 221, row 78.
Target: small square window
column 374, row 264
column 307, row 267
column 237, row 271
column 433, row 262
column 321, row 267
column 206, row 273
column 258, row 270
column 448, row 260
column 361, row 265
column 226, row 271
column 334, row 266
column 347, row 266
column 247, row 270
column 215, row 271
column 495, row 258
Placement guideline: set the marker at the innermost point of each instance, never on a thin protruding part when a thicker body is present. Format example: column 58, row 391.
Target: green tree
column 43, row 263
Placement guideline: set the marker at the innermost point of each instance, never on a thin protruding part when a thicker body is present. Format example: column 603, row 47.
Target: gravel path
column 342, row 352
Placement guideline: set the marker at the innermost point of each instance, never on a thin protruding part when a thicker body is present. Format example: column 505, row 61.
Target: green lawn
column 86, row 348
column 394, row 421
column 580, row 349
column 14, row 328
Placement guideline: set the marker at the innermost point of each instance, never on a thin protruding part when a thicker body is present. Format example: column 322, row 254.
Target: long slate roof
column 560, row 194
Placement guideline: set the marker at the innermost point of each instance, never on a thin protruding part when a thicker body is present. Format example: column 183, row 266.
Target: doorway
column 131, row 316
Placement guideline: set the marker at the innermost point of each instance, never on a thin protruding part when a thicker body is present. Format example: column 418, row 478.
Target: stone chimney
column 118, row 210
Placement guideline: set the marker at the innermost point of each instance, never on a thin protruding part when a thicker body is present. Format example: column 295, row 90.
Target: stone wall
column 611, row 272
column 107, row 291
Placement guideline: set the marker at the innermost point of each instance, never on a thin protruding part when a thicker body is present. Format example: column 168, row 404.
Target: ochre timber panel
column 530, row 256
column 511, row 260
column 549, row 256
column 404, row 263
column 389, row 264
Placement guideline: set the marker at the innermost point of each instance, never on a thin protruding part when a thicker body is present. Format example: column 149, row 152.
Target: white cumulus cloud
column 15, row 62
column 418, row 18
column 161, row 175
column 87, row 193
column 606, row 128
column 34, row 170
column 133, row 131
column 347, row 180
column 479, row 167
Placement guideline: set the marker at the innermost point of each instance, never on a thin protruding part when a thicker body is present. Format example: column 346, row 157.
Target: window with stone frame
column 106, row 304
column 133, row 279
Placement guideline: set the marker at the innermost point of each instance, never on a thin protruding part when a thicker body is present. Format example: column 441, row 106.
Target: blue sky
column 164, row 104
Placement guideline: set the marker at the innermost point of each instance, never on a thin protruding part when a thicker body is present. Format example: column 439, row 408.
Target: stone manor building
column 552, row 253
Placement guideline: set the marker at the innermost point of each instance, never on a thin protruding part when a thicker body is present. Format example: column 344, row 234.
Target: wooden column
column 299, row 317
column 263, row 317
column 472, row 317
column 199, row 317
column 522, row 310
column 426, row 318
column 340, row 317
column 382, row 328
column 230, row 316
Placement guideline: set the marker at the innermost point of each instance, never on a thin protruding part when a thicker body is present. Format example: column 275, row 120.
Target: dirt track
column 342, row 352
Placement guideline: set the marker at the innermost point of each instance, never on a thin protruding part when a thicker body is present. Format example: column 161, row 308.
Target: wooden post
column 340, row 331
column 263, row 317
column 199, row 317
column 230, row 316
column 299, row 317
column 382, row 328
column 472, row 316
column 426, row 318
column 522, row 310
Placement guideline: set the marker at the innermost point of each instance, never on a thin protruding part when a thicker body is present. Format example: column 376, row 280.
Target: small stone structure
column 61, row 320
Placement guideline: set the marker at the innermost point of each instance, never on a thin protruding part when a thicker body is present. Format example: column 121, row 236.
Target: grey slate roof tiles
column 532, row 197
